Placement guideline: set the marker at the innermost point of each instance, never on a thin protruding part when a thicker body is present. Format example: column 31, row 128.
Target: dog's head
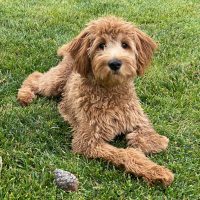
column 111, row 50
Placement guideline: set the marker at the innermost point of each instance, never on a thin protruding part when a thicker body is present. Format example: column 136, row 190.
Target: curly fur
column 99, row 103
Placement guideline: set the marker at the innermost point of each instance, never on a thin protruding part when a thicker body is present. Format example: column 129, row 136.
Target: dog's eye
column 124, row 45
column 102, row 46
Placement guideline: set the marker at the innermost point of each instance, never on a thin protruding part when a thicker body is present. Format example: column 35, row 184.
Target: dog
column 95, row 80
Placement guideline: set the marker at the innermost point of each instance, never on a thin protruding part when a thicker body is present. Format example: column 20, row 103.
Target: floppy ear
column 78, row 49
column 145, row 48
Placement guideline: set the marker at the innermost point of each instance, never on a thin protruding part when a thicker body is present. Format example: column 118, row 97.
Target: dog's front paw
column 159, row 174
column 148, row 142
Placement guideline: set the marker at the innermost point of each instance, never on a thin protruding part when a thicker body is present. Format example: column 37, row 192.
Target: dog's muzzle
column 115, row 64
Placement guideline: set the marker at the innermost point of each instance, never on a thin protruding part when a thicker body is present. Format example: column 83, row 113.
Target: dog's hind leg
column 29, row 89
column 47, row 84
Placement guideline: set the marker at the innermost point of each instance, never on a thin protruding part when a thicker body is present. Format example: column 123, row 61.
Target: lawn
column 35, row 140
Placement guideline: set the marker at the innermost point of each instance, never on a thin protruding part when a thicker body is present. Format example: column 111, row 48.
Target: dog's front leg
column 148, row 141
column 133, row 160
column 144, row 136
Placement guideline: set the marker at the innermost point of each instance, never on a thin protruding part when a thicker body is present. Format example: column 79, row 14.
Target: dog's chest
column 114, row 113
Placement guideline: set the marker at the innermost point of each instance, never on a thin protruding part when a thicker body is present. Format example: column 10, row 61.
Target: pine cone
column 66, row 180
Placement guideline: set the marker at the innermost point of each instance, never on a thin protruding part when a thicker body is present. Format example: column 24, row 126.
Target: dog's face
column 111, row 50
column 113, row 58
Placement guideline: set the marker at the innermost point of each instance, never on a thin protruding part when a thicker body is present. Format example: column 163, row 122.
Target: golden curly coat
column 98, row 96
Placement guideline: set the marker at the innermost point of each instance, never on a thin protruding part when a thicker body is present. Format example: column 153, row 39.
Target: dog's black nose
column 114, row 64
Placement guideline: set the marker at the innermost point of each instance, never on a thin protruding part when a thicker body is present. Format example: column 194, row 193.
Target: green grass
column 35, row 140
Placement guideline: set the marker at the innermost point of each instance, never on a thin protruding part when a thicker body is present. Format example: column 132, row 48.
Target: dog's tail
column 29, row 89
